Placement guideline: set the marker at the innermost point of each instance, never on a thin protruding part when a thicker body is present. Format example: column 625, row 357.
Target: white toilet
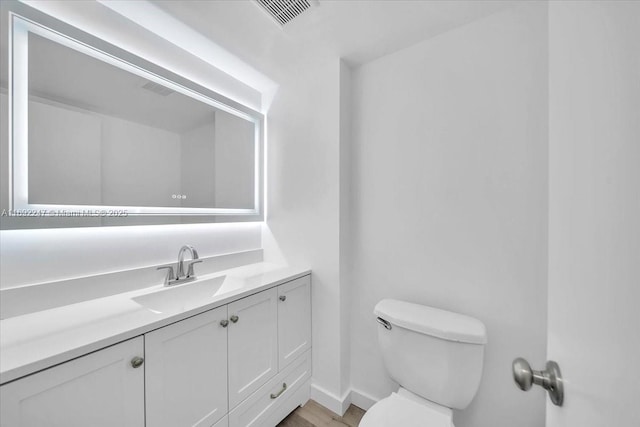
column 436, row 357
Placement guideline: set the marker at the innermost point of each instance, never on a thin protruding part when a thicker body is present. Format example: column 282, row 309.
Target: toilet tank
column 433, row 353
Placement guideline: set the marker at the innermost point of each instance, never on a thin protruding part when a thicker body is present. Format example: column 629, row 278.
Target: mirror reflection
column 100, row 135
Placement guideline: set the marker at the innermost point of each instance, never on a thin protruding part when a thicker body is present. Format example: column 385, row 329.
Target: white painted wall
column 346, row 208
column 450, row 198
column 594, row 211
column 303, row 193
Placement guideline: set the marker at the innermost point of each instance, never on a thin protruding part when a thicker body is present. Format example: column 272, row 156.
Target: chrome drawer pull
column 276, row 395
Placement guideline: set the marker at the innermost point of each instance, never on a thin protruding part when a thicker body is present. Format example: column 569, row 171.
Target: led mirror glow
column 93, row 132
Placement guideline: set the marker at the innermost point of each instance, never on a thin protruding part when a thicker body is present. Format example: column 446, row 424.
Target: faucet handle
column 170, row 274
column 190, row 272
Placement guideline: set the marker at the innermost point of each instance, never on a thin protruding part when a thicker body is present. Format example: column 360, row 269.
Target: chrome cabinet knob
column 137, row 361
column 550, row 379
column 234, row 318
column 282, row 298
column 224, row 323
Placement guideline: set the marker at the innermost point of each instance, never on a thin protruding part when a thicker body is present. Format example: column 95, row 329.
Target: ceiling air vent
column 157, row 88
column 284, row 11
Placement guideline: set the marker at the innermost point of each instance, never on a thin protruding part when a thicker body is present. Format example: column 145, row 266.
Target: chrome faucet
column 194, row 260
column 181, row 277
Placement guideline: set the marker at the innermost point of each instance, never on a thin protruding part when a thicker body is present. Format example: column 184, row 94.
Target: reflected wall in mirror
column 94, row 131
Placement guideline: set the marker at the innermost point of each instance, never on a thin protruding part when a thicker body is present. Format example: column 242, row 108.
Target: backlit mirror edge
column 162, row 215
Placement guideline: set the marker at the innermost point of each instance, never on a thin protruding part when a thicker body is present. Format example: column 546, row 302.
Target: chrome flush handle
column 384, row 323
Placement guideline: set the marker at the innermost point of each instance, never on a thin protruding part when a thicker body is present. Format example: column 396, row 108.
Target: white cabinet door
column 224, row 422
column 253, row 344
column 186, row 371
column 101, row 389
column 294, row 320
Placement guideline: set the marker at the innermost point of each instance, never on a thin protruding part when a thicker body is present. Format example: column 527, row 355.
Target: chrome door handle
column 234, row 318
column 550, row 379
column 276, row 395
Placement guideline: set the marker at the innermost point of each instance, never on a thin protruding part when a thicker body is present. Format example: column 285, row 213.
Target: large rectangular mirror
column 97, row 130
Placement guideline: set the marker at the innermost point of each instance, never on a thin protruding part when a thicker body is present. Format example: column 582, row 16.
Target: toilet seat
column 397, row 410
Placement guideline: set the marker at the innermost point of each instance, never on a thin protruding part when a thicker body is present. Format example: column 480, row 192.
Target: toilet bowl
column 399, row 409
column 435, row 355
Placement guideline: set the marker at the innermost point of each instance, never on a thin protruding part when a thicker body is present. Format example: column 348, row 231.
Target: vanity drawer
column 259, row 407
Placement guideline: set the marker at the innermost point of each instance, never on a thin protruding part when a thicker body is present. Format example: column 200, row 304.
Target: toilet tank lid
column 432, row 321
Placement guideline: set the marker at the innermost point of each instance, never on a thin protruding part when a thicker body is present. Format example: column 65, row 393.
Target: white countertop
column 35, row 341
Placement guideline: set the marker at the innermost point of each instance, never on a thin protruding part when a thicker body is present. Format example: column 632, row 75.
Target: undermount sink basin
column 183, row 297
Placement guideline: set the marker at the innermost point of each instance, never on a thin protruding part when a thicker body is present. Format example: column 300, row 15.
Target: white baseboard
column 362, row 400
column 336, row 404
column 339, row 405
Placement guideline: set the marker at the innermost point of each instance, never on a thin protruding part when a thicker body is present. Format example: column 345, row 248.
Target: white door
column 294, row 320
column 101, row 389
column 186, row 371
column 594, row 211
column 253, row 344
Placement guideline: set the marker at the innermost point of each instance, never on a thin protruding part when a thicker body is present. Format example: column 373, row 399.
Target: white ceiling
column 356, row 30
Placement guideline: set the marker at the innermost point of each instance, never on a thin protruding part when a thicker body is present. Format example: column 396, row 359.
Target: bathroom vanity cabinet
column 253, row 344
column 101, row 389
column 294, row 321
column 246, row 363
column 185, row 385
